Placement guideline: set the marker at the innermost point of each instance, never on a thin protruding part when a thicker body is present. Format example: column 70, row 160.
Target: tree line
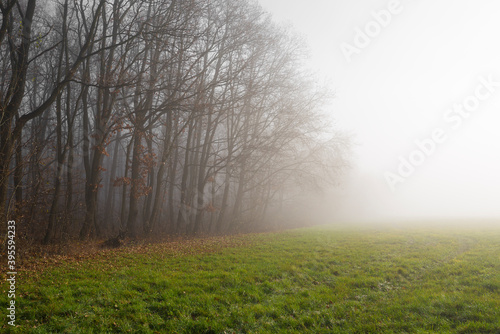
column 155, row 116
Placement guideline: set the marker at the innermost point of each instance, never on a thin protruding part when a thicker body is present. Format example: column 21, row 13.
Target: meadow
column 315, row 280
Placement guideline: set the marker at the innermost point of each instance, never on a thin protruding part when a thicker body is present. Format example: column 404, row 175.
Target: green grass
column 319, row 280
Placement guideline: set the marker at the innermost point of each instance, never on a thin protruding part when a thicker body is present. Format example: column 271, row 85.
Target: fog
column 248, row 115
column 418, row 88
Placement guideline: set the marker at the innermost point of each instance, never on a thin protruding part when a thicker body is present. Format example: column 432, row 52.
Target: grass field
column 319, row 280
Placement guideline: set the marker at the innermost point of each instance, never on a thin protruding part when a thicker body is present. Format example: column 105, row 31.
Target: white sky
column 398, row 89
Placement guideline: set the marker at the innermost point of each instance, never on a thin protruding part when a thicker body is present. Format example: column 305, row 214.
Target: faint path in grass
column 318, row 280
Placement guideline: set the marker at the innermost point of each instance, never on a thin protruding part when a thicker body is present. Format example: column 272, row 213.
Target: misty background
column 122, row 118
column 396, row 91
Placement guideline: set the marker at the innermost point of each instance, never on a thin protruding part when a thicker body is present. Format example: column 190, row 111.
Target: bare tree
column 16, row 45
